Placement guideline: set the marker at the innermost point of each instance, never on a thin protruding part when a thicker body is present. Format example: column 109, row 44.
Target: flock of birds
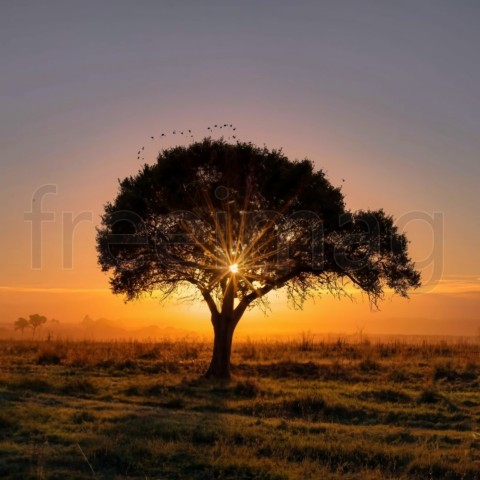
column 189, row 136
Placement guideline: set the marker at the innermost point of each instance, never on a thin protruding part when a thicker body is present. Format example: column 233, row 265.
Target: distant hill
column 99, row 329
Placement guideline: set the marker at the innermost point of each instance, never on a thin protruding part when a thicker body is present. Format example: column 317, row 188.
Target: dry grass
column 295, row 410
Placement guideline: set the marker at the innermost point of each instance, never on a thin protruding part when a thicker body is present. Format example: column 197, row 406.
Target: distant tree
column 21, row 324
column 35, row 321
column 233, row 223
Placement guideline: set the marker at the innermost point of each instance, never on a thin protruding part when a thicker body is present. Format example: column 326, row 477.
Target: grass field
column 295, row 410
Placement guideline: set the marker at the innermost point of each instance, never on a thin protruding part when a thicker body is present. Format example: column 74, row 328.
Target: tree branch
column 210, row 302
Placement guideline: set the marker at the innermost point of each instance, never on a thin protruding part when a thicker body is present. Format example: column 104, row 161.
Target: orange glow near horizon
column 434, row 312
column 70, row 293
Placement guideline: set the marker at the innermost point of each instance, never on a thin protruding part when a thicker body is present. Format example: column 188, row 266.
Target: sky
column 382, row 94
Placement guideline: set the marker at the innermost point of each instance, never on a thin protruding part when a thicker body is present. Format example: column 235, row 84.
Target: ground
column 295, row 410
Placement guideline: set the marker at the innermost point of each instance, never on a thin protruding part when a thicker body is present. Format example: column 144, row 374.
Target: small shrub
column 49, row 357
column 429, row 395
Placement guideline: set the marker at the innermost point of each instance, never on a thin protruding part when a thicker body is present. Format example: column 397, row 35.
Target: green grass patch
column 299, row 410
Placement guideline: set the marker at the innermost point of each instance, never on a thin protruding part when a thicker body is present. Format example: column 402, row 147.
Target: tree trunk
column 222, row 348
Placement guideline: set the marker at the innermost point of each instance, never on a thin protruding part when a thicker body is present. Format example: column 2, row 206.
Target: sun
column 234, row 268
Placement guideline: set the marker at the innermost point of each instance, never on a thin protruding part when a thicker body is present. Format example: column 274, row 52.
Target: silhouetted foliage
column 21, row 324
column 34, row 321
column 238, row 221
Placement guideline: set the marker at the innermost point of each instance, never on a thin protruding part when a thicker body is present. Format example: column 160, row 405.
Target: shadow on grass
column 173, row 443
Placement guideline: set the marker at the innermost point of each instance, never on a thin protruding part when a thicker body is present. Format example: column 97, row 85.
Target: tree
column 35, row 321
column 21, row 324
column 232, row 223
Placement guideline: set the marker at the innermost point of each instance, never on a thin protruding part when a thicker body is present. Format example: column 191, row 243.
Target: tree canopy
column 34, row 321
column 235, row 221
column 21, row 324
